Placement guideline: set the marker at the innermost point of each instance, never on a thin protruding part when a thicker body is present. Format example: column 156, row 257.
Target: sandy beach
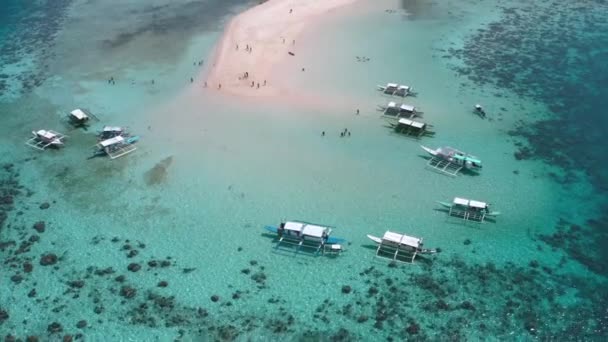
column 255, row 42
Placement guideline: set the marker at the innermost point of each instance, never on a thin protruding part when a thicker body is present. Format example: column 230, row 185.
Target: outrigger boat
column 112, row 131
column 45, row 138
column 307, row 235
column 412, row 128
column 80, row 117
column 450, row 161
column 399, row 247
column 395, row 89
column 469, row 209
column 392, row 109
column 480, row 111
column 116, row 147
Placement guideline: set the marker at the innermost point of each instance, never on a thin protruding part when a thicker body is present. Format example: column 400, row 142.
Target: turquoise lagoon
column 190, row 204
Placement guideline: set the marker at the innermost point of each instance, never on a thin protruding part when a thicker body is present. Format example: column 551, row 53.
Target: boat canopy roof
column 412, row 123
column 392, row 104
column 407, row 108
column 108, row 142
column 404, row 87
column 470, row 203
column 79, row 114
column 461, row 201
column 46, row 134
column 392, row 85
column 307, row 229
column 294, row 226
column 314, row 231
column 112, row 129
column 402, row 239
column 478, row 204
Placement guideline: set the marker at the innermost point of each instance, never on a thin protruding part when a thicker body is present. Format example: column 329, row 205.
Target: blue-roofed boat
column 307, row 235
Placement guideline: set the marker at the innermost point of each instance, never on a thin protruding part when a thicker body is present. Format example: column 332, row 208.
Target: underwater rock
column 165, row 263
column 54, row 328
column 413, row 329
column 215, row 298
column 152, row 263
column 253, row 262
column 259, row 277
column 31, row 338
column 39, row 226
column 163, row 284
column 466, row 305
column 48, row 259
column 128, row 292
column 32, row 293
column 3, row 315
column 17, row 278
column 134, row 267
column 132, row 253
column 467, row 242
column 188, row 270
column 81, row 324
column 98, row 309
column 120, row 278
column 68, row 338
column 534, row 264
column 346, row 289
column 45, row 205
column 34, row 238
column 245, row 271
column 76, row 284
column 362, row 319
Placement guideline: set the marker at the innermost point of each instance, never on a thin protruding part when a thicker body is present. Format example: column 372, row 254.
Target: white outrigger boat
column 395, row 89
column 469, row 209
column 399, row 247
column 116, row 147
column 80, row 117
column 392, row 109
column 112, row 131
column 45, row 138
column 450, row 161
column 308, row 236
column 412, row 128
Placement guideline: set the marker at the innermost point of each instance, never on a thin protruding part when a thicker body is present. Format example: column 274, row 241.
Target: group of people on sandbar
column 344, row 133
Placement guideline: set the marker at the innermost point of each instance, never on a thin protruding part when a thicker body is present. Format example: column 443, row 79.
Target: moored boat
column 306, row 235
column 45, row 138
column 395, row 89
column 412, row 128
column 469, row 209
column 399, row 247
column 456, row 157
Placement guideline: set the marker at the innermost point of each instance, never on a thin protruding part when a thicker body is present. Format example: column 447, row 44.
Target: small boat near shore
column 469, row 209
column 116, row 147
column 480, row 111
column 450, row 160
column 80, row 117
column 395, row 89
column 46, row 138
column 305, row 235
column 109, row 132
column 399, row 247
column 411, row 128
column 392, row 109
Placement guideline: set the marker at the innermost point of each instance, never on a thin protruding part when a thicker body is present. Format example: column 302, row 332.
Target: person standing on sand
column 237, row 46
column 357, row 111
column 258, row 85
column 290, row 10
column 219, row 86
column 323, row 133
column 264, row 82
column 205, row 84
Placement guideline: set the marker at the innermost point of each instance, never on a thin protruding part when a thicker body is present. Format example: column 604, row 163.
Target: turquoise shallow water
column 210, row 173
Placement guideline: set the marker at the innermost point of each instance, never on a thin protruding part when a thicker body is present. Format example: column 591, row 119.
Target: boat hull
column 429, row 150
column 330, row 240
